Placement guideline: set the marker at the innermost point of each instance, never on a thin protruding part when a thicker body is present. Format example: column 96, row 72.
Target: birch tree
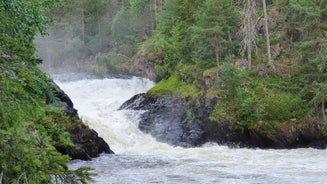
column 270, row 62
column 249, row 28
column 320, row 98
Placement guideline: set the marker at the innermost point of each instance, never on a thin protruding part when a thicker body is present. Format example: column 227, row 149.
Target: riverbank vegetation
column 263, row 62
column 32, row 121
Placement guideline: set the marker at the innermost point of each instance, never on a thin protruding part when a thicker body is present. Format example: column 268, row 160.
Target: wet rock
column 169, row 119
column 139, row 102
column 166, row 119
column 87, row 144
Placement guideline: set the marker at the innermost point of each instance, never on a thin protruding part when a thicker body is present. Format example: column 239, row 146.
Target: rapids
column 140, row 159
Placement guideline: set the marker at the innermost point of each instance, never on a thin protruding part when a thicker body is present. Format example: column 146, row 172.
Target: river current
column 140, row 159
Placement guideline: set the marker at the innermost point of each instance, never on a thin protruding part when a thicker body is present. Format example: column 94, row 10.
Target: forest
column 263, row 63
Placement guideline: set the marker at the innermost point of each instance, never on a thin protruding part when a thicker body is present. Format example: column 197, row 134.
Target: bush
column 229, row 77
column 174, row 85
column 246, row 106
column 282, row 106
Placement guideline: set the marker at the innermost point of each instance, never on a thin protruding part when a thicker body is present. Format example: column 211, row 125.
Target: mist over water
column 141, row 159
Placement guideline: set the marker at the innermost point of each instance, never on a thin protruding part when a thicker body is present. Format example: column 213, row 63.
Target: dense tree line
column 199, row 49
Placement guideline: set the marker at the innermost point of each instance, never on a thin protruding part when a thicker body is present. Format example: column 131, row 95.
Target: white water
column 140, row 159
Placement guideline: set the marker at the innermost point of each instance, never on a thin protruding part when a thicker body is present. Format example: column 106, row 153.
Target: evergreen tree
column 19, row 23
column 216, row 22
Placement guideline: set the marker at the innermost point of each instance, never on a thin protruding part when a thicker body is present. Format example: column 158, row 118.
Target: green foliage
column 30, row 129
column 186, row 39
column 229, row 77
column 320, row 94
column 215, row 22
column 122, row 26
column 282, row 106
column 246, row 106
column 321, row 59
column 173, row 85
column 20, row 21
column 221, row 113
column 303, row 16
column 320, row 98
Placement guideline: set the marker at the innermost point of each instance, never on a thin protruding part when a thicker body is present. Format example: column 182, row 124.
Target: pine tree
column 215, row 23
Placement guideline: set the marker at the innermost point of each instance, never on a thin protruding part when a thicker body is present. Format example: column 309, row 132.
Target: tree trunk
column 323, row 111
column 83, row 22
column 217, row 55
column 249, row 29
column 249, row 58
column 155, row 14
column 270, row 62
column 216, row 46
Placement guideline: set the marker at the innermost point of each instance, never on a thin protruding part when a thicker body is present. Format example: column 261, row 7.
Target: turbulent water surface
column 140, row 159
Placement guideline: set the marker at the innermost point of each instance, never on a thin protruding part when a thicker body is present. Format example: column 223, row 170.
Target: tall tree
column 270, row 62
column 215, row 24
column 249, row 28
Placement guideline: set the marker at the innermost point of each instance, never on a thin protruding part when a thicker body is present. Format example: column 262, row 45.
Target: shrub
column 229, row 77
column 281, row 106
column 246, row 106
column 174, row 85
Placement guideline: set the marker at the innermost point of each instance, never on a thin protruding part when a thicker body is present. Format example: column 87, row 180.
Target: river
column 140, row 159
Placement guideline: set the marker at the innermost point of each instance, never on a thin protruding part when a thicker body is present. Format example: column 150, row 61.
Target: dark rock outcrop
column 166, row 119
column 169, row 119
column 87, row 144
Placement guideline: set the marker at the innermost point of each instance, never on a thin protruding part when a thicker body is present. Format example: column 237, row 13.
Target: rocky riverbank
column 170, row 119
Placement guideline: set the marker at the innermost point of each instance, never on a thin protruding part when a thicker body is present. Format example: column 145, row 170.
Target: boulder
column 87, row 144
column 166, row 119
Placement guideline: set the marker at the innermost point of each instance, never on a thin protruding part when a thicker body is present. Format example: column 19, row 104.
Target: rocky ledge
column 169, row 119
